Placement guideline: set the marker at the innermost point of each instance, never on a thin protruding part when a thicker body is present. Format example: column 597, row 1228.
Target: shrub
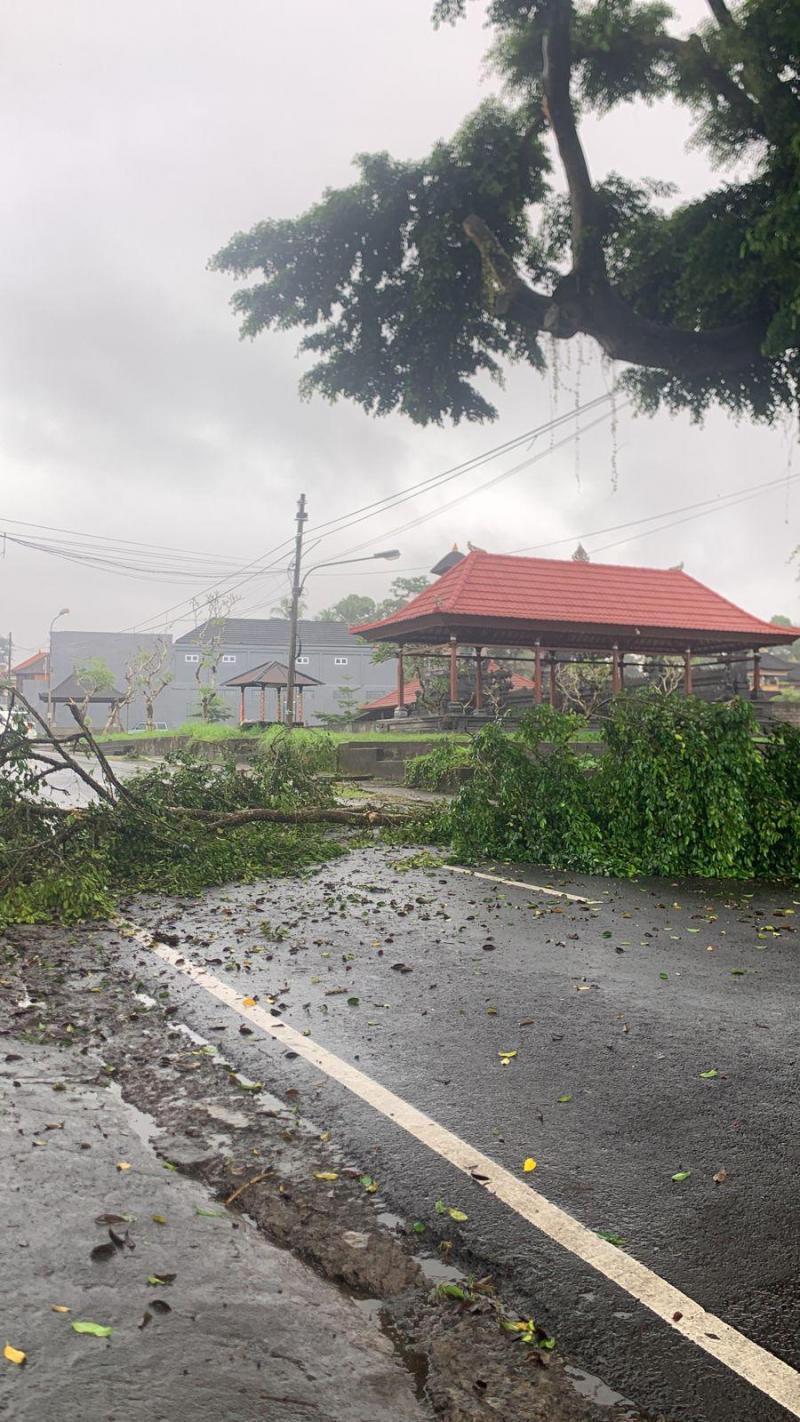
column 438, row 769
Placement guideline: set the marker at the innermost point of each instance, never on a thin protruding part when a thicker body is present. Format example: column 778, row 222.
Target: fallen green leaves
column 458, row 1215
column 95, row 1330
column 681, row 1175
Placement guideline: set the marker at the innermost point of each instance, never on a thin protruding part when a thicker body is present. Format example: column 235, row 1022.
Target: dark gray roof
column 769, row 662
column 70, row 689
column 448, row 561
column 271, row 674
column 274, row 632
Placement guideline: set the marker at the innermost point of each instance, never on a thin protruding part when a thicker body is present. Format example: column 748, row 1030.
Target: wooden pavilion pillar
column 616, row 671
column 551, row 661
column 756, row 691
column 453, row 672
column 241, row 705
column 687, row 672
column 262, row 704
column 301, row 717
column 478, row 679
column 401, row 679
column 537, row 674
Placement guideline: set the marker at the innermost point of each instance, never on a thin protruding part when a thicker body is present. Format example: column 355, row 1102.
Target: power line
column 716, row 501
column 345, row 521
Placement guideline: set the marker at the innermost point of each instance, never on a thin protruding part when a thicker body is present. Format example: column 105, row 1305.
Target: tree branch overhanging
column 584, row 301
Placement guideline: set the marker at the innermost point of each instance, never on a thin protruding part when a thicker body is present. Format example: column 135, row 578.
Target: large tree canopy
column 423, row 275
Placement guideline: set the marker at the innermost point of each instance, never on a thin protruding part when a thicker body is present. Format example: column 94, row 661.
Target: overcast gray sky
column 135, row 141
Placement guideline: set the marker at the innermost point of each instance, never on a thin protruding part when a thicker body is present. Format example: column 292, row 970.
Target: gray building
column 117, row 650
column 326, row 651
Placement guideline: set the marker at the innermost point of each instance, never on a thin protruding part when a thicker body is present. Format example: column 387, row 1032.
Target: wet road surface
column 661, row 1015
column 207, row 1320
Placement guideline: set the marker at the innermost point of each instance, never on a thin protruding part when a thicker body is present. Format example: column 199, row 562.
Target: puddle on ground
column 390, row 1220
column 142, row 1125
column 438, row 1270
column 376, row 1313
column 620, row 1408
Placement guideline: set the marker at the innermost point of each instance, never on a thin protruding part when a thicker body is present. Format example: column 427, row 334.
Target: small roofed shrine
column 273, row 675
column 565, row 611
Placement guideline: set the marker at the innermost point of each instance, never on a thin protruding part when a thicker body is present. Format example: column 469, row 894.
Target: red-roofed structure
column 496, row 600
column 387, row 703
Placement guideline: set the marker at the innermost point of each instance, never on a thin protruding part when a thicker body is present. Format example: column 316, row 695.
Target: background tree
column 665, row 674
column 211, row 644
column 284, row 608
column 94, row 676
column 585, row 686
column 151, row 675
column 355, row 607
column 349, row 705
column 792, row 651
column 401, row 591
column 424, row 276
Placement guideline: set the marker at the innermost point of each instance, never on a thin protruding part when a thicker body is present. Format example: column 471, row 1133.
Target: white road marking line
column 746, row 1359
column 520, row 884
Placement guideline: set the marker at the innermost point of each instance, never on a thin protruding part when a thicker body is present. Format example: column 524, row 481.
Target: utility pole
column 8, row 671
column 297, row 585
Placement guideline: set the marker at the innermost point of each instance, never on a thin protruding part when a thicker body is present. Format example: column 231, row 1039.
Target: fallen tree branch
column 320, row 814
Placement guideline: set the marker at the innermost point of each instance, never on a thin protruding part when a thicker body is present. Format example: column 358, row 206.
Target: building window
column 229, row 657
column 301, row 661
column 340, row 661
column 192, row 657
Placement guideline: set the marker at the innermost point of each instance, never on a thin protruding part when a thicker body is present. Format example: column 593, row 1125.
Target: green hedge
column 682, row 789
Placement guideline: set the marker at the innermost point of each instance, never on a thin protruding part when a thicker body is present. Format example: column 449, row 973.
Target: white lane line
column 520, row 884
column 744, row 1358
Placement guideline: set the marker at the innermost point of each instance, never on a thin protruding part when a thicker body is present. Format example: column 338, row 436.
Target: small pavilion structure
column 276, row 676
column 569, row 610
column 71, row 690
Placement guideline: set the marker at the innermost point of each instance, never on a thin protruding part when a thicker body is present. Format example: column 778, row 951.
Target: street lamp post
column 298, row 584
column 63, row 613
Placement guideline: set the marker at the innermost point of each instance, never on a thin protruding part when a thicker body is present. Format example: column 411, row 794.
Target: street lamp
column 299, row 582
column 63, row 613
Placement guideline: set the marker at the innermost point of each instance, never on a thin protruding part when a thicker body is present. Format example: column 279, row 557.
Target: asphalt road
column 619, row 1007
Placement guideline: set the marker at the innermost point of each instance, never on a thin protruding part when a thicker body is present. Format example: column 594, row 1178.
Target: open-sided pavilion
column 488, row 601
column 273, row 675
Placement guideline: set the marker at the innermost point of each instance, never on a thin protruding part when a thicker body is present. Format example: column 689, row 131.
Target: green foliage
column 529, row 797
column 684, row 788
column 390, row 293
column 401, row 591
column 52, row 866
column 379, row 275
column 355, row 607
column 347, row 700
column 438, row 770
column 94, row 676
column 212, row 706
column 676, row 789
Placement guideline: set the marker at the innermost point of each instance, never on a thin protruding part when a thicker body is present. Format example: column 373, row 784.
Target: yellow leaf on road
column 248, row 1002
column 325, row 1175
column 529, row 1165
column 59, row 1308
column 14, row 1355
column 123, row 1165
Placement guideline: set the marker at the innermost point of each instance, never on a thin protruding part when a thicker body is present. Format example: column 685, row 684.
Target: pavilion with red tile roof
column 490, row 600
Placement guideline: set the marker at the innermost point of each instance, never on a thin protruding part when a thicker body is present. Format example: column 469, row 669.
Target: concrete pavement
column 209, row 1320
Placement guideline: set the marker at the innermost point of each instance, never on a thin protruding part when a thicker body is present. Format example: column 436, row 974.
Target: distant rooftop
column 273, row 632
